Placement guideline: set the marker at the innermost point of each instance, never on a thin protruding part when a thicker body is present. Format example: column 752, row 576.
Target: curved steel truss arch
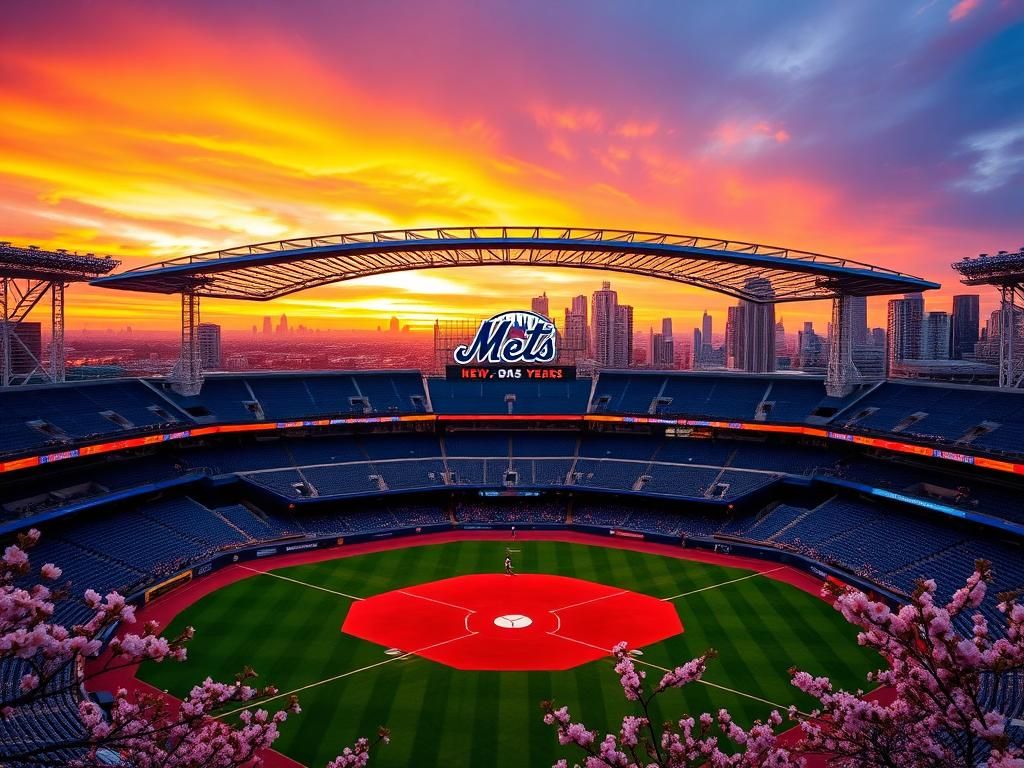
column 750, row 271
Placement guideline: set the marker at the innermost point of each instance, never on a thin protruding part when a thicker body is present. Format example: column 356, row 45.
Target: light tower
column 1005, row 271
column 26, row 276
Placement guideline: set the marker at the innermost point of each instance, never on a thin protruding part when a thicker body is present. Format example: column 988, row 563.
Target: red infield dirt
column 503, row 623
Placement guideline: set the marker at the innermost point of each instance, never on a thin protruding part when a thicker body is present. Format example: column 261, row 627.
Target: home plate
column 513, row 621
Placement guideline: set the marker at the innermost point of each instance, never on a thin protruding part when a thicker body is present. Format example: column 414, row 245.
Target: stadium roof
column 34, row 263
column 760, row 273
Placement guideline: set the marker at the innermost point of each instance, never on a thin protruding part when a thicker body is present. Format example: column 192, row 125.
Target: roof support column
column 842, row 374
column 57, row 359
column 1011, row 361
column 187, row 376
column 6, row 332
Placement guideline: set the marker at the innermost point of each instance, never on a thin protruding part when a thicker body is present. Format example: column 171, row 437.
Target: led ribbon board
column 510, row 345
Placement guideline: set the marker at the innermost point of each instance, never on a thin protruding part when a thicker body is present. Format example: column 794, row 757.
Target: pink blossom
column 50, row 571
column 15, row 556
column 140, row 727
column 28, row 682
column 935, row 672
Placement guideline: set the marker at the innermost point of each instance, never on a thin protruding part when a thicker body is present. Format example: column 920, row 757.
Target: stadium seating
column 607, row 474
column 410, row 475
column 774, row 456
column 254, row 526
column 943, row 413
column 713, row 453
column 324, row 450
column 547, row 397
column 467, row 471
column 546, row 472
column 33, row 417
column 137, row 542
column 285, row 482
column 794, row 400
column 476, row 444
column 295, row 396
column 544, row 513
column 401, row 446
column 618, row 447
column 224, row 399
column 700, row 395
column 678, row 480
column 535, row 444
column 192, row 521
column 42, row 726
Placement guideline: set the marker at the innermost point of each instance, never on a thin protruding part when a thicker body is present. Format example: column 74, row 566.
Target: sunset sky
column 888, row 132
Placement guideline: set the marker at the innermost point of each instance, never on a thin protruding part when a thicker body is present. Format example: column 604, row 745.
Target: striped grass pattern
column 290, row 633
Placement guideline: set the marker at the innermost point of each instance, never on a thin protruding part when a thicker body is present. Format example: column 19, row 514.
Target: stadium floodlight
column 1005, row 272
column 27, row 274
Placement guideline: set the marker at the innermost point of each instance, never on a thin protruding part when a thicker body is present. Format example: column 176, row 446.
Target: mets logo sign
column 510, row 337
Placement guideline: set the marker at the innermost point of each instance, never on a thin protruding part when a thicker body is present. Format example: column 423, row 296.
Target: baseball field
column 454, row 656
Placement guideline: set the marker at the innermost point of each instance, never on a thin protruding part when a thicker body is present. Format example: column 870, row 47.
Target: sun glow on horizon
column 151, row 135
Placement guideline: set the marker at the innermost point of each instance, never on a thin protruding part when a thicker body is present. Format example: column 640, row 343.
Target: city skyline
column 175, row 155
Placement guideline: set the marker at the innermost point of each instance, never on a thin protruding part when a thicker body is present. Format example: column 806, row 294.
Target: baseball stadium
column 438, row 552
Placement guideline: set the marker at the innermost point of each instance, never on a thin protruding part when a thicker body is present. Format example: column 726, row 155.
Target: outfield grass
column 291, row 635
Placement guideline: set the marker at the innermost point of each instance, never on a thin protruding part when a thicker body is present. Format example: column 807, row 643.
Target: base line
column 781, row 707
column 731, row 581
column 588, row 602
column 439, row 602
column 303, row 583
column 255, row 704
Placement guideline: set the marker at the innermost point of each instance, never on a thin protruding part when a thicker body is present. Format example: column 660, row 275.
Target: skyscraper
column 702, row 343
column 268, row 325
column 576, row 334
column 611, row 331
column 282, row 326
column 858, row 309
column 208, row 335
column 734, row 337
column 663, row 347
column 966, row 315
column 603, row 306
column 756, row 334
column 781, row 345
column 906, row 329
column 812, row 350
column 395, row 326
column 936, row 336
column 579, row 306
column 540, row 305
column 623, row 336
column 668, row 356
